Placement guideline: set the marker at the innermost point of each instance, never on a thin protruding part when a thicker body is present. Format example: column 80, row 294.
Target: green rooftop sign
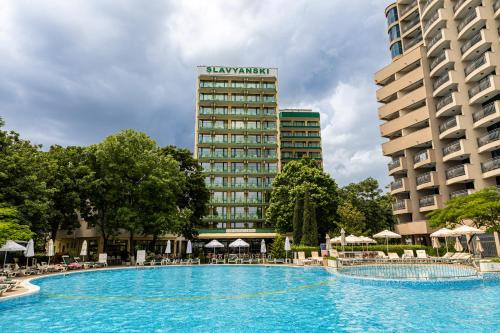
column 227, row 70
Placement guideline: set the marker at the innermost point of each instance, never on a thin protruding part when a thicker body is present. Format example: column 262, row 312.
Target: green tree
column 482, row 207
column 10, row 227
column 298, row 215
column 278, row 247
column 194, row 195
column 351, row 219
column 309, row 227
column 296, row 178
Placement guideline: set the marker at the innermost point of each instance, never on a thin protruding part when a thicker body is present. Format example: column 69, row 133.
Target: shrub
column 495, row 260
column 278, row 247
column 398, row 248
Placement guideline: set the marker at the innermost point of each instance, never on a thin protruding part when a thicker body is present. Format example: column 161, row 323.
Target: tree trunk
column 153, row 242
column 131, row 242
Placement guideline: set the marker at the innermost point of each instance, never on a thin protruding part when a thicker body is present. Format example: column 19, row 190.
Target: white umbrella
column 342, row 238
column 436, row 245
column 30, row 251
column 10, row 246
column 287, row 248
column 327, row 241
column 263, row 247
column 83, row 252
column 479, row 247
column 387, row 234
column 336, row 240
column 168, row 249
column 239, row 243
column 351, row 239
column 189, row 248
column 214, row 244
column 443, row 232
column 466, row 230
column 50, row 249
column 367, row 240
column 458, row 245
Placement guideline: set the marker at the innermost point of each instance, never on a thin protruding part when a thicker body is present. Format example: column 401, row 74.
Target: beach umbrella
column 214, row 244
column 436, row 245
column 479, row 247
column 327, row 241
column 10, row 246
column 83, row 252
column 469, row 232
column 367, row 240
column 458, row 245
column 351, row 239
column 168, row 248
column 263, row 246
column 342, row 238
column 30, row 251
column 50, row 249
column 287, row 248
column 239, row 243
column 189, row 248
column 443, row 232
column 387, row 234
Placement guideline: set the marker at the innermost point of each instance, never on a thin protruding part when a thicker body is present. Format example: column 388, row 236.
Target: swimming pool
column 246, row 299
column 411, row 272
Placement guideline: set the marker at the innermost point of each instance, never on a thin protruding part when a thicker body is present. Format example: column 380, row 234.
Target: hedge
column 398, row 248
column 304, row 248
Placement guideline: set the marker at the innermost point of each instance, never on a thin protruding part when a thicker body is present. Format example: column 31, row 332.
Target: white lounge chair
column 315, row 258
column 141, row 257
column 393, row 256
column 408, row 255
column 102, row 260
column 422, row 255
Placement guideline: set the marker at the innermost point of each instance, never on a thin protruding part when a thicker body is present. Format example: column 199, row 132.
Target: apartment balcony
column 427, row 180
column 388, row 110
column 402, row 206
column 491, row 168
column 397, row 166
column 386, row 92
column 436, row 20
column 445, row 84
column 429, row 7
column 496, row 8
column 410, row 25
column 411, row 119
column 490, row 141
column 475, row 45
column 477, row 68
column 439, row 41
column 429, row 203
column 488, row 115
column 424, row 158
column 418, row 138
column 460, row 193
column 471, row 22
column 411, row 42
column 460, row 7
column 400, row 185
column 484, row 89
column 449, row 105
column 408, row 10
column 455, row 150
column 441, row 63
column 452, row 128
column 458, row 174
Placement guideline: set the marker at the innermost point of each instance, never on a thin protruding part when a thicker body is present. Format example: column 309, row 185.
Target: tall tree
column 194, row 195
column 309, row 227
column 10, row 228
column 298, row 215
column 296, row 178
column 351, row 219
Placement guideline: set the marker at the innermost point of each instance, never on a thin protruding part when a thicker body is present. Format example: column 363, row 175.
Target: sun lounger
column 408, row 255
column 232, row 259
column 315, row 258
column 393, row 256
column 302, row 258
column 102, row 261
column 422, row 256
column 141, row 257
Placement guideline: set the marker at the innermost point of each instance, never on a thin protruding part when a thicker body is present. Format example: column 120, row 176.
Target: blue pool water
column 247, row 299
column 413, row 271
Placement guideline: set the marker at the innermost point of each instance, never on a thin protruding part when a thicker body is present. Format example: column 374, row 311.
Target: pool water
column 247, row 299
column 414, row 271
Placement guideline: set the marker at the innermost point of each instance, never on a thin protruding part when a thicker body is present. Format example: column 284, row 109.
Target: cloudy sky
column 73, row 72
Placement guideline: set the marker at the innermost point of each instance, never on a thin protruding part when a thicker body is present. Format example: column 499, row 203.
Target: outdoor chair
column 422, row 255
column 408, row 255
column 232, row 259
column 333, row 253
column 315, row 258
column 393, row 257
column 102, row 260
column 302, row 258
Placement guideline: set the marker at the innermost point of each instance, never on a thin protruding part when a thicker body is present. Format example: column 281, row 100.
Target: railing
column 443, row 101
column 455, row 171
column 452, row 147
column 441, row 80
column 482, row 84
column 492, row 136
column 471, row 42
column 437, row 60
column 491, row 164
column 397, row 184
column 484, row 112
column 450, row 123
column 424, row 178
column 436, row 38
column 398, row 205
column 466, row 20
column 474, row 64
column 458, row 4
column 496, row 5
column 411, row 24
column 426, row 201
column 431, row 20
column 459, row 193
column 424, row 7
column 420, row 156
column 409, row 7
column 413, row 41
column 394, row 164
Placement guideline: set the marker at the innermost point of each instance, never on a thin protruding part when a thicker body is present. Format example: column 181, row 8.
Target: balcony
column 461, row 6
column 460, row 193
column 488, row 115
column 429, row 6
column 471, row 23
column 475, row 45
column 398, row 165
column 386, row 111
column 385, row 93
column 437, row 42
column 427, row 180
column 496, row 8
column 452, row 128
column 417, row 138
column 407, row 9
column 412, row 42
column 484, row 89
column 455, row 151
column 424, row 158
column 435, row 22
column 409, row 120
column 410, row 25
column 441, row 63
column 477, row 68
column 490, row 141
column 491, row 168
column 445, row 83
column 401, row 207
column 458, row 174
column 429, row 203
column 400, row 186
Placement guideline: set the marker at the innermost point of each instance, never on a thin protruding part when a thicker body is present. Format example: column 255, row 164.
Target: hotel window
column 268, row 98
column 237, row 138
column 286, row 154
column 220, row 97
column 237, row 111
column 313, row 144
column 253, row 138
column 268, row 85
column 313, row 123
column 299, row 123
column 219, row 196
column 392, row 15
column 206, row 110
column 270, row 138
column 220, row 138
column 254, row 181
column 206, row 84
column 255, row 212
column 269, row 152
column 271, row 167
column 314, row 134
column 220, row 166
column 254, row 196
column 237, row 152
column 238, row 98
column 221, row 124
column 269, row 111
column 396, row 49
column 238, row 181
column 253, row 124
column 315, row 155
column 220, row 181
column 237, row 212
column 253, row 98
column 220, row 84
column 238, row 196
column 204, row 138
column 237, row 124
column 253, row 152
column 205, row 166
column 252, row 111
column 253, row 85
column 205, row 124
column 238, row 84
column 269, row 125
column 268, row 180
column 220, row 152
column 207, row 181
column 220, row 110
column 237, row 167
column 287, row 134
column 220, row 211
column 204, row 152
column 300, row 144
column 206, row 97
column 253, row 167
column 301, row 133
column 394, row 33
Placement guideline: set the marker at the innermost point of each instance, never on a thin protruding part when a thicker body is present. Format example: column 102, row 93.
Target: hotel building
column 440, row 105
column 300, row 135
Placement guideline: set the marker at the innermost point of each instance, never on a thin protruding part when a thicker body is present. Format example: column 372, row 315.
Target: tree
column 309, row 227
column 351, row 219
column 194, row 196
column 296, row 178
column 482, row 207
column 278, row 247
column 10, row 227
column 298, row 215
